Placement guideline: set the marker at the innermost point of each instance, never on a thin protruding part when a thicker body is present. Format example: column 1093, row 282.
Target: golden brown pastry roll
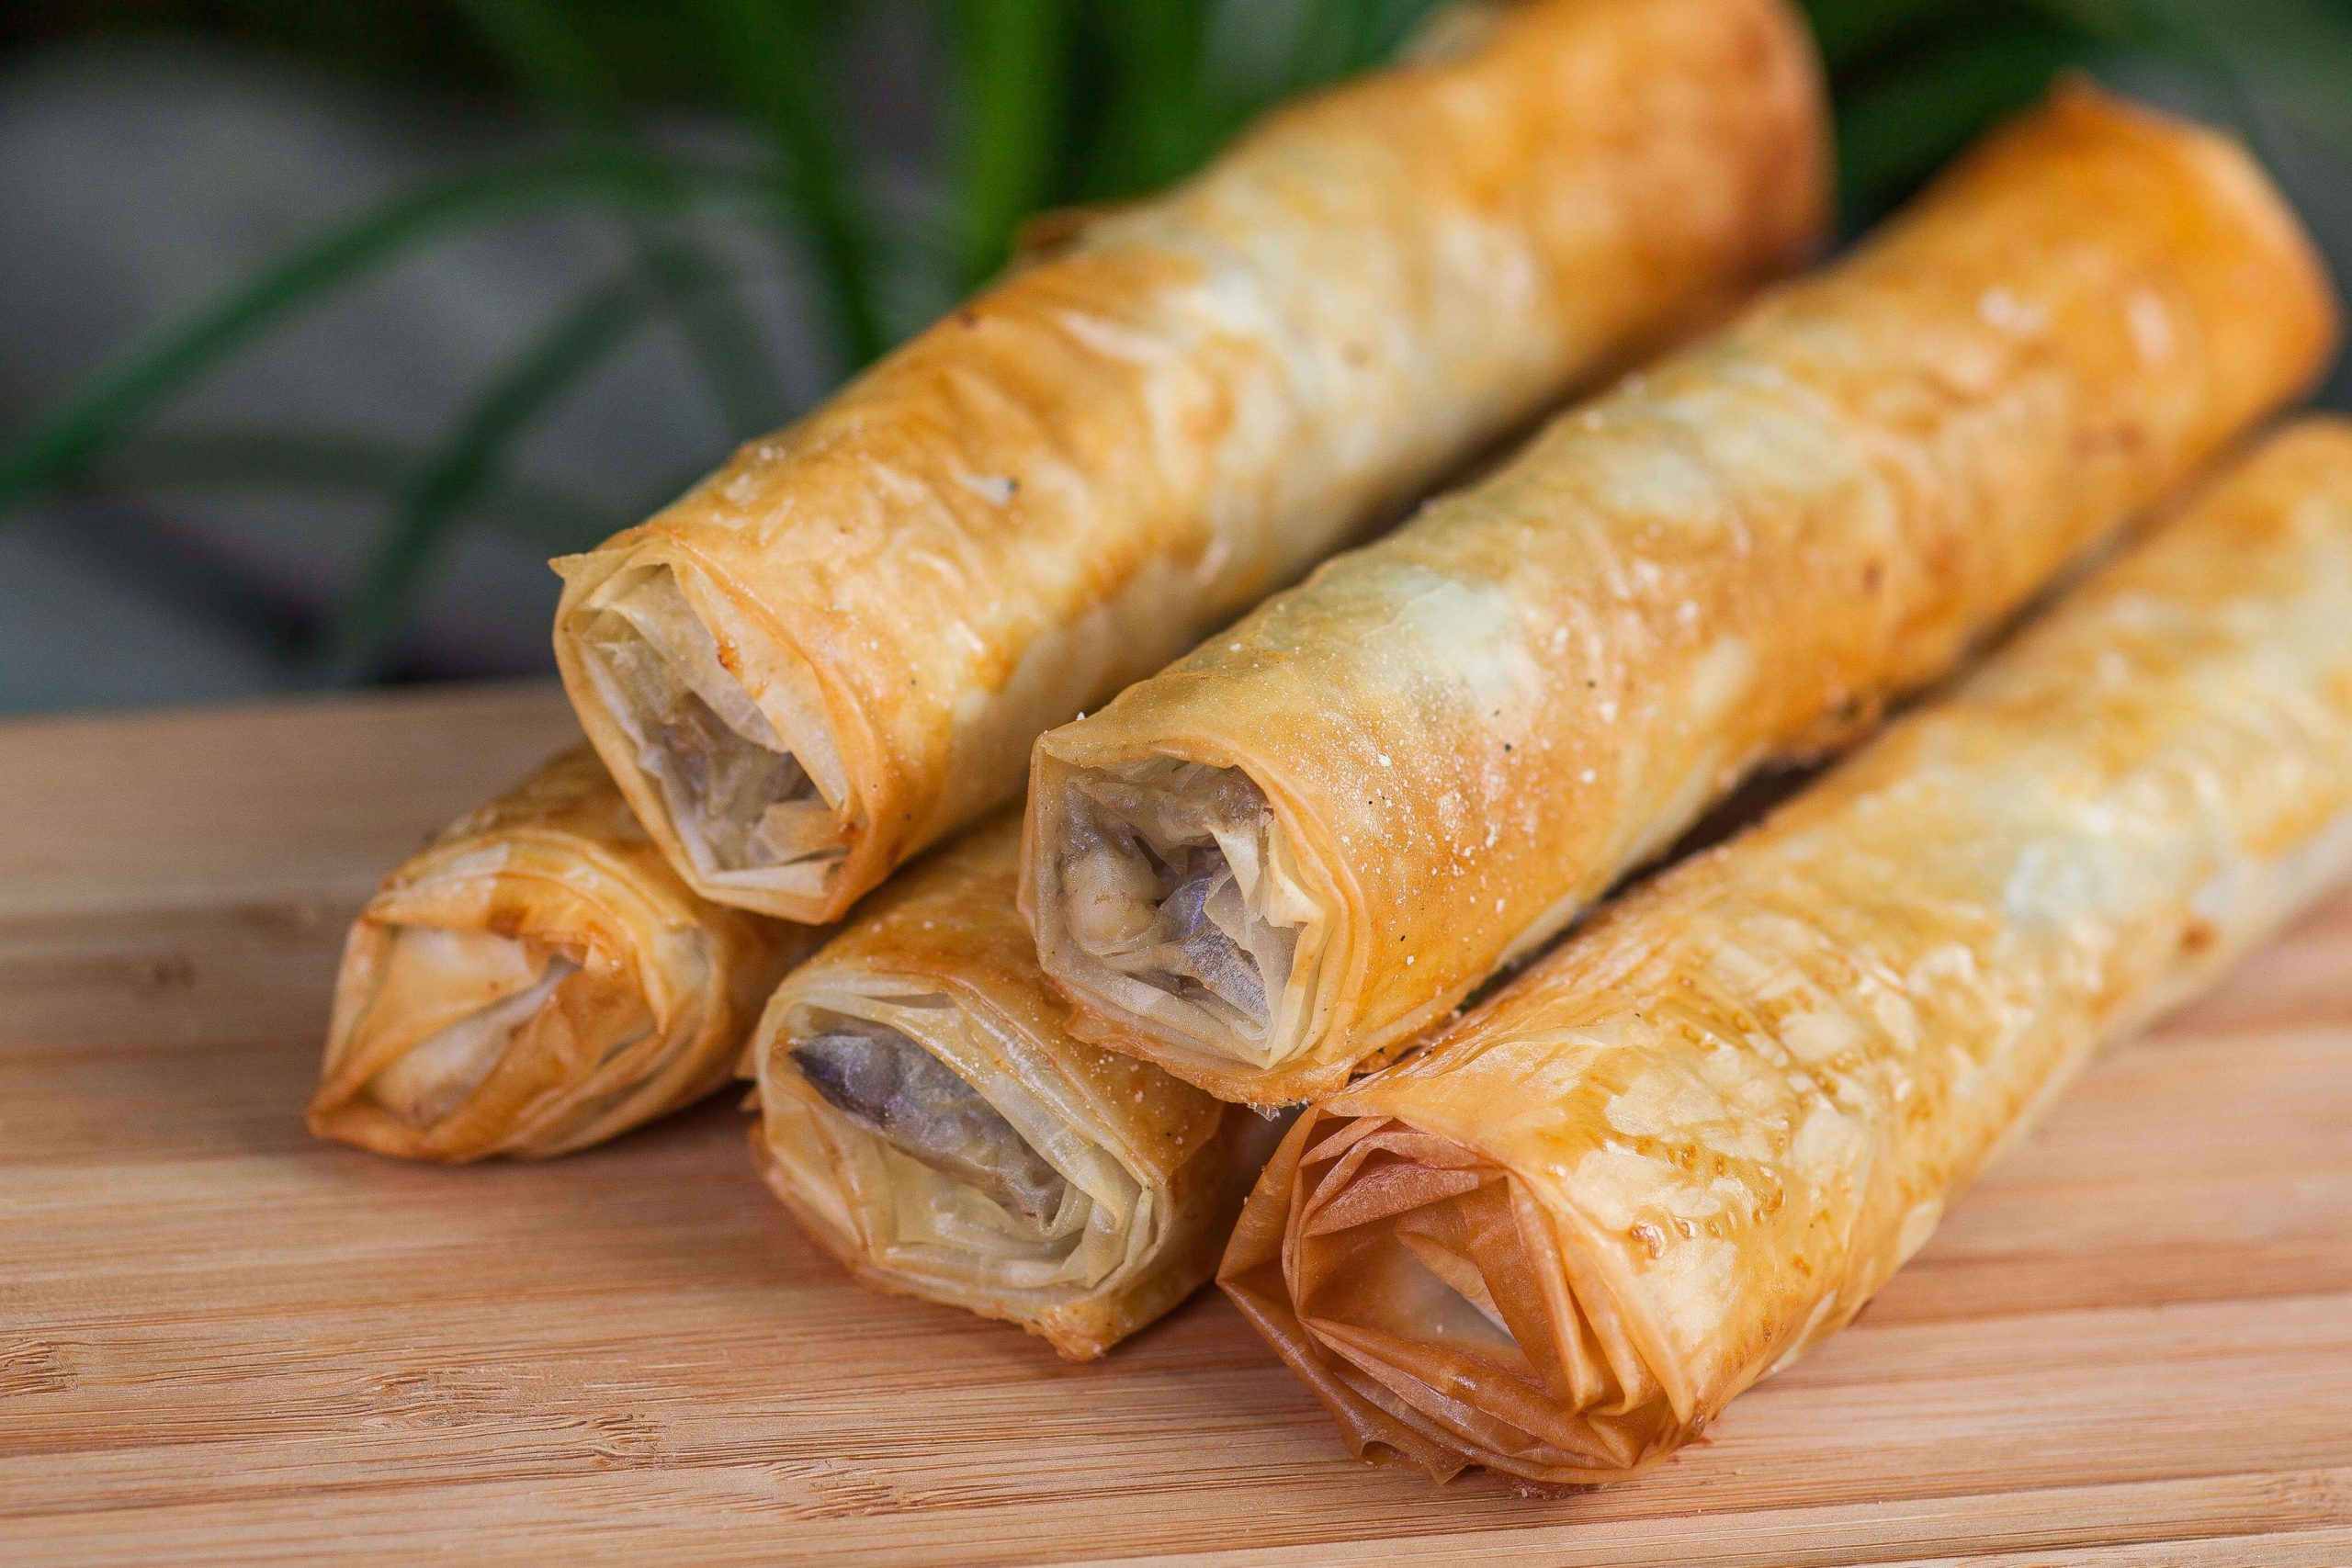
column 1294, row 851
column 535, row 980
column 928, row 1118
column 1693, row 1141
column 839, row 647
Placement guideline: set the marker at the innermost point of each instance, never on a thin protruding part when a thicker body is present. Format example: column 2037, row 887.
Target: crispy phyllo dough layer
column 927, row 1116
column 1430, row 758
column 537, row 980
column 1691, row 1142
column 839, row 647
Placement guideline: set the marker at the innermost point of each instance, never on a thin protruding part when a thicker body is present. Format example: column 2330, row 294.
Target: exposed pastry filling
column 944, row 1155
column 740, row 798
column 463, row 996
column 887, row 1083
column 1165, row 901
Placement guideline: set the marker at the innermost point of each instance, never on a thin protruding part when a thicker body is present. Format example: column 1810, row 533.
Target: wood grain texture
column 222, row 1342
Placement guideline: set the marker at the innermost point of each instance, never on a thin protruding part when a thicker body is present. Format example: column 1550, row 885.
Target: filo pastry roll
column 535, row 980
column 1691, row 1142
column 1293, row 852
column 928, row 1118
column 839, row 647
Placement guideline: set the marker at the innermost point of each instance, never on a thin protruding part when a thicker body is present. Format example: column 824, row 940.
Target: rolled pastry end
column 936, row 1157
column 735, row 771
column 895, row 1091
column 474, row 1018
column 1169, row 904
column 1428, row 1302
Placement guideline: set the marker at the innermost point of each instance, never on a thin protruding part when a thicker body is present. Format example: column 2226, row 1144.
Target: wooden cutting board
column 222, row 1342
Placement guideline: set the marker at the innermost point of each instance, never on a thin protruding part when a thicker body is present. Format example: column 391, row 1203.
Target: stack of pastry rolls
column 1692, row 1141
column 1690, row 1144
column 927, row 1109
column 839, row 649
column 1287, row 856
column 1030, row 1072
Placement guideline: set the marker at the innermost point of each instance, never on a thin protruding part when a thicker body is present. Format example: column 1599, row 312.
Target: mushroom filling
column 1164, row 881
column 740, row 799
column 1192, row 925
column 896, row 1089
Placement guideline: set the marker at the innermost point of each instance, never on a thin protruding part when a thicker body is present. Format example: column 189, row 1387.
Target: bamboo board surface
column 220, row 1341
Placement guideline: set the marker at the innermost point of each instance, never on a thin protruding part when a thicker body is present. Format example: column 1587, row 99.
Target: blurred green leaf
column 1010, row 63
column 1333, row 38
column 1050, row 101
column 769, row 51
column 69, row 432
column 722, row 338
column 1393, row 24
column 2110, row 21
column 1850, row 31
column 469, row 462
column 231, row 459
column 540, row 44
column 1157, row 123
column 1339, row 37
column 2293, row 55
column 1898, row 123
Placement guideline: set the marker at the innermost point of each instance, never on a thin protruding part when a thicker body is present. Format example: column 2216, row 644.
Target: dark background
column 322, row 325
